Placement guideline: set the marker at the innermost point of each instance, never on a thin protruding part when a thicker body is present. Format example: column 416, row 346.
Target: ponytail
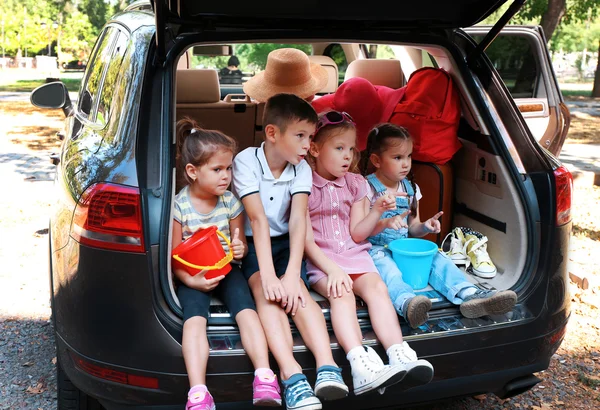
column 185, row 127
column 414, row 206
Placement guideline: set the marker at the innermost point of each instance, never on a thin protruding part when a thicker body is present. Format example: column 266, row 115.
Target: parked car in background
column 117, row 318
column 74, row 65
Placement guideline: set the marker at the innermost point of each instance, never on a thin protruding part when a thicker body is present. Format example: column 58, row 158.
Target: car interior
column 474, row 189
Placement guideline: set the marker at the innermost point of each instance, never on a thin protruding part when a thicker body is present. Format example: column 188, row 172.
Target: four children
column 340, row 222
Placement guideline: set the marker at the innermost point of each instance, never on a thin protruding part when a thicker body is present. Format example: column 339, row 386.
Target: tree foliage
column 255, row 55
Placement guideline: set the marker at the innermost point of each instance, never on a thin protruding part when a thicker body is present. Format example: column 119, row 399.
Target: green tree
column 97, row 11
column 255, row 55
column 77, row 37
column 29, row 25
column 553, row 14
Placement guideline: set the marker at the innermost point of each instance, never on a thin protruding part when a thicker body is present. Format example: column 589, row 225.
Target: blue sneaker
column 329, row 384
column 298, row 394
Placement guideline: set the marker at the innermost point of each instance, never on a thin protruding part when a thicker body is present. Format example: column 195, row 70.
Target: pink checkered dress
column 329, row 206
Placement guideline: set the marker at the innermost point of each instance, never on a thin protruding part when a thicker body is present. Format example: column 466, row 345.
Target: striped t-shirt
column 228, row 207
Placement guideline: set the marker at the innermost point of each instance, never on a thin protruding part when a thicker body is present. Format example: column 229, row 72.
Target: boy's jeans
column 445, row 277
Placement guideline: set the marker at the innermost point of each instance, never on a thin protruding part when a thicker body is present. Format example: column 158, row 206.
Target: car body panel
column 433, row 14
column 115, row 309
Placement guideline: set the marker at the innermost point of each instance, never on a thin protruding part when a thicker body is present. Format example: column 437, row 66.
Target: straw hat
column 288, row 71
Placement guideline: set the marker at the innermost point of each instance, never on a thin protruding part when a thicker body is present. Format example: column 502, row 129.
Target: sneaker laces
column 298, row 389
column 404, row 354
column 480, row 294
column 455, row 246
column 375, row 360
column 328, row 375
column 479, row 249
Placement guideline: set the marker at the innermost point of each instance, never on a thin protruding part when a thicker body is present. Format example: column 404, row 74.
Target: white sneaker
column 476, row 251
column 418, row 371
column 369, row 372
column 456, row 253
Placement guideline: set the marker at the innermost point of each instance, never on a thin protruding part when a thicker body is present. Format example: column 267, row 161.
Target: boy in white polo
column 273, row 183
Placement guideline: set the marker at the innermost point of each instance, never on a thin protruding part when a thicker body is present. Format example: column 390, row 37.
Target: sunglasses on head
column 333, row 118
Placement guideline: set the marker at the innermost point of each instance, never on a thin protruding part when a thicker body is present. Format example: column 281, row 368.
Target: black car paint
column 111, row 309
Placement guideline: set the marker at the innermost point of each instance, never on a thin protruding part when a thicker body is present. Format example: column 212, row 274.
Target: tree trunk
column 551, row 18
column 596, row 89
column 373, row 51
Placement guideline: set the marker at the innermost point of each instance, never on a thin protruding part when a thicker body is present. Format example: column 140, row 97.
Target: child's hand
column 199, row 282
column 293, row 288
column 237, row 246
column 432, row 225
column 387, row 202
column 397, row 222
column 273, row 288
column 337, row 282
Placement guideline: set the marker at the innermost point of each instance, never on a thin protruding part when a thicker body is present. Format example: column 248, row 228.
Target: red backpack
column 430, row 111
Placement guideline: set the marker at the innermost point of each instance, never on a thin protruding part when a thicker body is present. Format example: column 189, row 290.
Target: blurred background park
column 54, row 38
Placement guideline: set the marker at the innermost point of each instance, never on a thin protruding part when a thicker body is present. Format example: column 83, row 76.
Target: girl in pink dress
column 339, row 265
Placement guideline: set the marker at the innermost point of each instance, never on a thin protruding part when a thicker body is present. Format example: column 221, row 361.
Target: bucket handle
column 220, row 264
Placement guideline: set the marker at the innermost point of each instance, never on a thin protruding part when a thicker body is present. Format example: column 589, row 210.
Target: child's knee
column 246, row 316
column 345, row 298
column 195, row 325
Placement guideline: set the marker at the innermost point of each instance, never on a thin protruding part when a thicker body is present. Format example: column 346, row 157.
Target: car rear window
column 92, row 82
column 514, row 59
column 111, row 78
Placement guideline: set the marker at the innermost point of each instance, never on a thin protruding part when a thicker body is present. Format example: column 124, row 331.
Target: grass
column 29, row 85
column 576, row 93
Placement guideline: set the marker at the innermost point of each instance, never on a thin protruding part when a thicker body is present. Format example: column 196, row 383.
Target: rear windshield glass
column 514, row 59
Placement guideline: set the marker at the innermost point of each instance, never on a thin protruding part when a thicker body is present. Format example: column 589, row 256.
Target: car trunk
column 491, row 205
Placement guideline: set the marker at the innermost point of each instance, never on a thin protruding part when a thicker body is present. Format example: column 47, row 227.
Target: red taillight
column 564, row 194
column 109, row 216
column 115, row 375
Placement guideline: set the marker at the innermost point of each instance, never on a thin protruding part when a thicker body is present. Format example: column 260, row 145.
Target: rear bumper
column 472, row 370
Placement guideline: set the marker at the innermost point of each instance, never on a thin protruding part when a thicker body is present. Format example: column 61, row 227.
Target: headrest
column 198, row 86
column 332, row 71
column 378, row 72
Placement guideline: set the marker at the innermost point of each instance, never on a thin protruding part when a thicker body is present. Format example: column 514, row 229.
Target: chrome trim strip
column 227, row 341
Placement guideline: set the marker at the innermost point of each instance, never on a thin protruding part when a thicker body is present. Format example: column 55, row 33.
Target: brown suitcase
column 437, row 187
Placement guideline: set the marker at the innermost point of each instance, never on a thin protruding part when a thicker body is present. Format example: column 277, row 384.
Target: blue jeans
column 444, row 277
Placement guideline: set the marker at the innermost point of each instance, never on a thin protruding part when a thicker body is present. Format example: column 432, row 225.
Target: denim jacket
column 402, row 205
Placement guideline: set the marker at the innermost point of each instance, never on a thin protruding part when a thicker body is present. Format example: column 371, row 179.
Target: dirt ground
column 27, row 357
column 584, row 127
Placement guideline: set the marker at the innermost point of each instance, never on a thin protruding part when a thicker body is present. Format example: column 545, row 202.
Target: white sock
column 264, row 373
column 197, row 393
column 355, row 351
column 468, row 291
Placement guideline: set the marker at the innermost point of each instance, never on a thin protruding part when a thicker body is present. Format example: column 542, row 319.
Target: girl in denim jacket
column 389, row 151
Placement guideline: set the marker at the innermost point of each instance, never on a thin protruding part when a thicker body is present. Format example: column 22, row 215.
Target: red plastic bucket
column 203, row 251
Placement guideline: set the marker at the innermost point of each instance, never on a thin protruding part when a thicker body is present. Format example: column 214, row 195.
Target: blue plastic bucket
column 414, row 257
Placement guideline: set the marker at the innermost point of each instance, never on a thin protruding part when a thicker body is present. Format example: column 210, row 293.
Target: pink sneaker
column 266, row 391
column 201, row 400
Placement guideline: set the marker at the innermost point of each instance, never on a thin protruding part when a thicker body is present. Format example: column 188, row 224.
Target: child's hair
column 331, row 130
column 380, row 139
column 196, row 145
column 283, row 109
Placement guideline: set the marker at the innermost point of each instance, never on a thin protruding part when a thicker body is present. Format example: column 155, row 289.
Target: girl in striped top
column 205, row 158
